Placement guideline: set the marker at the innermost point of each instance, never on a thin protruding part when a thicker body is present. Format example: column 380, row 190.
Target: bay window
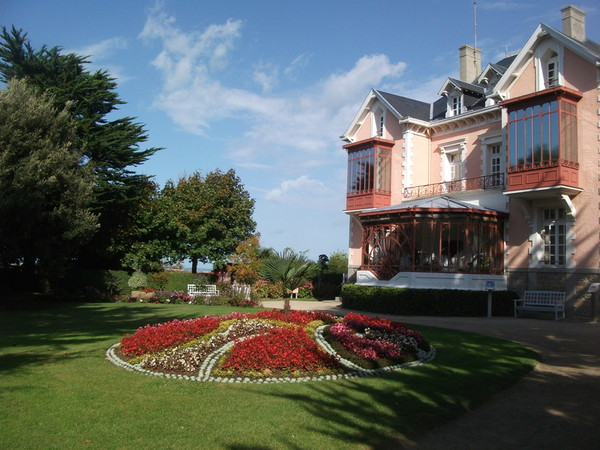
column 542, row 139
column 369, row 182
column 369, row 170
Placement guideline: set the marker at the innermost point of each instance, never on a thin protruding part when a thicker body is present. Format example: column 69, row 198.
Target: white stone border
column 210, row 360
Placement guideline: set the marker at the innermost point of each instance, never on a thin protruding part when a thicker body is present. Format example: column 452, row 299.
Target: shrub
column 306, row 290
column 326, row 291
column 138, row 280
column 426, row 302
column 201, row 279
column 88, row 285
column 266, row 289
column 160, row 280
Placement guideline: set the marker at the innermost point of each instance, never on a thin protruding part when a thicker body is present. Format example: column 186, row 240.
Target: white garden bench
column 545, row 301
column 206, row 290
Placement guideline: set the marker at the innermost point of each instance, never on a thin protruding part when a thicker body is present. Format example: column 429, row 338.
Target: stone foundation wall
column 575, row 283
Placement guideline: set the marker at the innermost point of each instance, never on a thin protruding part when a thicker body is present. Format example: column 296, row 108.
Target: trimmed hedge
column 426, row 302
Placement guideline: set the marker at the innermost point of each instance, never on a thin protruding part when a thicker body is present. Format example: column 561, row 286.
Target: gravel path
column 556, row 406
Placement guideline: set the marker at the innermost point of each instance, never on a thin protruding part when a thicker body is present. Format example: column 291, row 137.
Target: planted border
column 269, row 346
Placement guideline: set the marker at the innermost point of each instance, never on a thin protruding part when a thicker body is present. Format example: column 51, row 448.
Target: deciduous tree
column 338, row 262
column 209, row 216
column 246, row 261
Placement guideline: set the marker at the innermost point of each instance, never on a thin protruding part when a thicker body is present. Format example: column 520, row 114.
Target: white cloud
column 311, row 121
column 186, row 56
column 266, row 76
column 425, row 91
column 103, row 49
column 290, row 134
column 504, row 6
column 301, row 186
column 298, row 63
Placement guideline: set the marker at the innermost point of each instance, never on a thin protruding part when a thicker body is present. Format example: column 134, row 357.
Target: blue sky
column 267, row 87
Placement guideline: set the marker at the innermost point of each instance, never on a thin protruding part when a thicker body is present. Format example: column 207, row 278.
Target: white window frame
column 551, row 74
column 455, row 104
column 378, row 122
column 450, row 151
column 554, row 236
column 490, row 141
column 548, row 53
column 495, row 155
column 495, row 159
column 547, row 228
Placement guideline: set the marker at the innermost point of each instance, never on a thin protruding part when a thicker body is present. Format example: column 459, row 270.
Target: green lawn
column 58, row 391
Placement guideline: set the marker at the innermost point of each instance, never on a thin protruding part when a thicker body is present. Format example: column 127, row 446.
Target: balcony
column 495, row 181
column 367, row 201
column 560, row 176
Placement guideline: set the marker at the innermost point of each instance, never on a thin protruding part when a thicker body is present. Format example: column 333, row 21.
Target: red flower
column 153, row 338
column 278, row 350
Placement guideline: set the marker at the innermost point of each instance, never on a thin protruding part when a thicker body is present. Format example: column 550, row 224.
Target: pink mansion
column 498, row 180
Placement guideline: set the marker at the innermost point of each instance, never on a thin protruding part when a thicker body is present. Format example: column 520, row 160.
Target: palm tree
column 289, row 268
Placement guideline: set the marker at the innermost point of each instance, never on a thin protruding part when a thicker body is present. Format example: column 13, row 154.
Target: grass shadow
column 38, row 333
column 390, row 411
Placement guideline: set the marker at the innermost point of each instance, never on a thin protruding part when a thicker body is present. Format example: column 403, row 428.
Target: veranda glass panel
column 434, row 243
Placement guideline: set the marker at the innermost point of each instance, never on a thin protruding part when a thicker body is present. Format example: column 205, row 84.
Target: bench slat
column 209, row 290
column 551, row 301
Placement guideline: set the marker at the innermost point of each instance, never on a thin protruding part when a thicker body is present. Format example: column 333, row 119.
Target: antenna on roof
column 475, row 20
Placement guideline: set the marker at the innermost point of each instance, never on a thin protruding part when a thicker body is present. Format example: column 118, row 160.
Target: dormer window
column 456, row 105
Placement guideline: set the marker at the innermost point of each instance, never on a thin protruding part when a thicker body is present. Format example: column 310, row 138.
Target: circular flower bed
column 270, row 346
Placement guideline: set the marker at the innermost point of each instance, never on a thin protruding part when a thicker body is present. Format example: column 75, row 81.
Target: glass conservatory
column 432, row 235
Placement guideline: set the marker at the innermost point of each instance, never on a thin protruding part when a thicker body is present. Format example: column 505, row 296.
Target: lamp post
column 490, row 286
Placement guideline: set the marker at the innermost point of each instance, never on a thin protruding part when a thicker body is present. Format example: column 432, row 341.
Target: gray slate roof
column 468, row 87
column 407, row 107
column 439, row 202
column 505, row 63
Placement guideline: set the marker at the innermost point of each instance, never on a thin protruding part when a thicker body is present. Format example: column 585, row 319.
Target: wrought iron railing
column 495, row 181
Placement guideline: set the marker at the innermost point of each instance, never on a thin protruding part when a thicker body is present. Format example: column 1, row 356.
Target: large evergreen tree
column 112, row 145
column 45, row 185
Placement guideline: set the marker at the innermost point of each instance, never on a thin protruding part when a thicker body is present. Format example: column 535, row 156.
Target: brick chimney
column 470, row 63
column 573, row 22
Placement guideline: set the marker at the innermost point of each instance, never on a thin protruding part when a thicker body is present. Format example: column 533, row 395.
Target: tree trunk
column 286, row 304
column 194, row 265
